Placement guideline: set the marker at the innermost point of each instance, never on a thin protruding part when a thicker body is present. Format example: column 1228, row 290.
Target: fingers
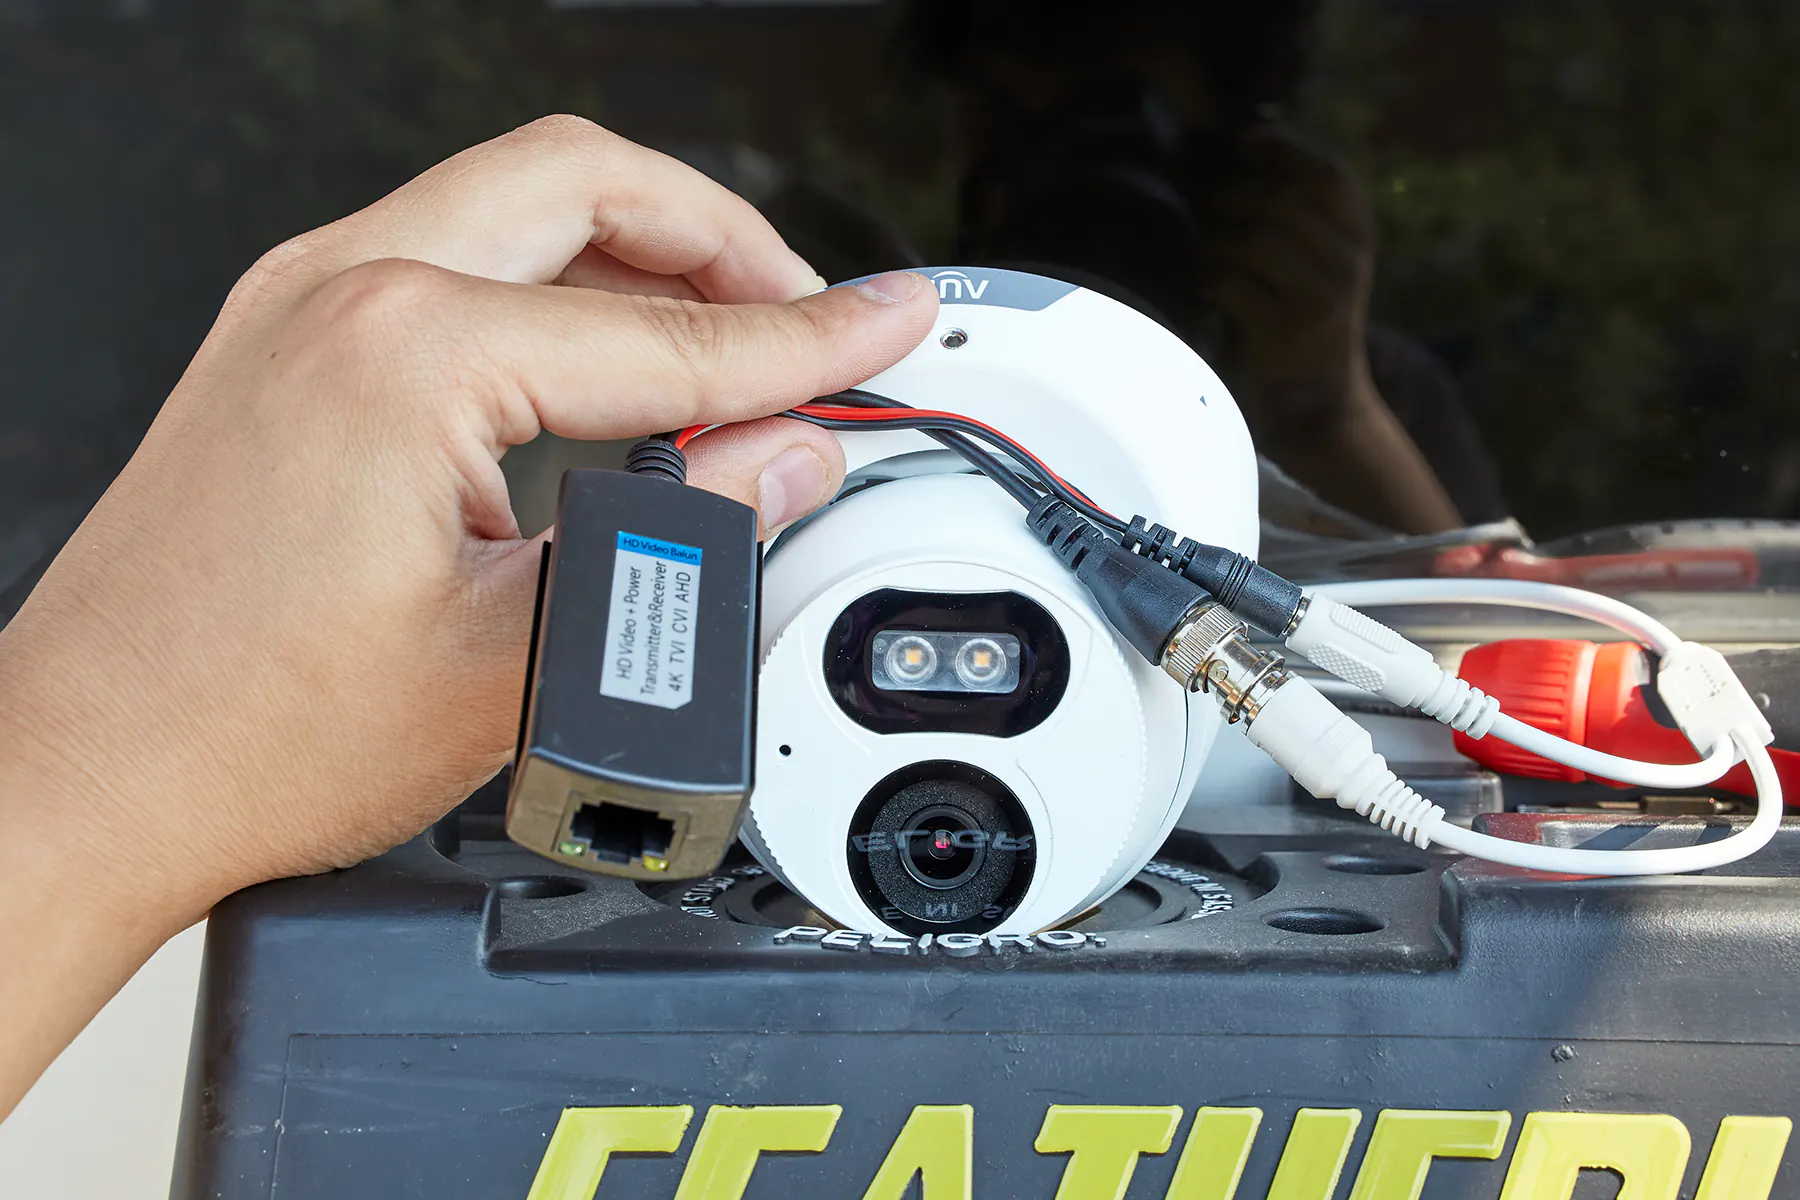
column 595, row 268
column 782, row 468
column 595, row 365
column 522, row 207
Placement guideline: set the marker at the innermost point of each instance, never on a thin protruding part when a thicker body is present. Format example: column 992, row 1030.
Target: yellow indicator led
column 981, row 663
column 653, row 863
column 911, row 659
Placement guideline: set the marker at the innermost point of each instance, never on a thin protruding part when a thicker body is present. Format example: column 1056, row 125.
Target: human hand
column 1294, row 260
column 293, row 633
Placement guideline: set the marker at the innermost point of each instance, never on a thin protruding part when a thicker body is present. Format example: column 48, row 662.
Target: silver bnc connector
column 1211, row 651
column 1206, row 626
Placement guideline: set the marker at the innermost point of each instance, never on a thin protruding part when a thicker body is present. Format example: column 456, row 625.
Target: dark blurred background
column 1553, row 246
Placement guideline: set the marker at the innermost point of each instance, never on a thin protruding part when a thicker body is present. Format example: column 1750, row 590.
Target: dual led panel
column 917, row 660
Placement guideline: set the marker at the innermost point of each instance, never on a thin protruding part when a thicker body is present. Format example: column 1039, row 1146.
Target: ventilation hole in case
column 1322, row 921
column 538, row 887
column 1365, row 864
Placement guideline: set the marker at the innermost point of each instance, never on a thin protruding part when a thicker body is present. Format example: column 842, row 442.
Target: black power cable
column 1252, row 591
column 1255, row 593
column 957, row 434
column 988, row 464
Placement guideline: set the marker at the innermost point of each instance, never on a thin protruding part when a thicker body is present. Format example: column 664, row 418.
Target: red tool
column 1722, row 568
column 1600, row 696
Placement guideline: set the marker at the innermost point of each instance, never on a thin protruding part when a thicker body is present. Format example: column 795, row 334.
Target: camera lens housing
column 941, row 847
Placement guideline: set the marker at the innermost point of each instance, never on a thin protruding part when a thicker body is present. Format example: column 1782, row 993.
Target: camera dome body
column 1000, row 807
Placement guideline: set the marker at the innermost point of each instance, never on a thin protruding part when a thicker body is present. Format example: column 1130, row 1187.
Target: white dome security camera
column 952, row 738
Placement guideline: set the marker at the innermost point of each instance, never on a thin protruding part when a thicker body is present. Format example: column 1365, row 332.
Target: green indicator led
column 572, row 849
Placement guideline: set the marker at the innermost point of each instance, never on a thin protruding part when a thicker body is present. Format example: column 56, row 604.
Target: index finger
column 522, row 207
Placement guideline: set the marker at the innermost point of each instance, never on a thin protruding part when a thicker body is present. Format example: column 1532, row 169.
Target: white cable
column 1510, row 593
column 1367, row 654
column 1671, row 860
column 1720, row 759
column 1507, row 728
column 1332, row 757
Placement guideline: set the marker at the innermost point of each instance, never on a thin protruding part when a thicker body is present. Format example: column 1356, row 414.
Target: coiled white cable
column 1511, row 593
column 1332, row 757
column 1719, row 759
column 1369, row 655
column 1667, row 860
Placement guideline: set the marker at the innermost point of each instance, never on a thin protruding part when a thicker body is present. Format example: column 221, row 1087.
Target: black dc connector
column 658, row 457
column 1254, row 593
column 1144, row 602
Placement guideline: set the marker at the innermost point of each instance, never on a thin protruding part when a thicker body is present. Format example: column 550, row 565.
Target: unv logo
column 958, row 285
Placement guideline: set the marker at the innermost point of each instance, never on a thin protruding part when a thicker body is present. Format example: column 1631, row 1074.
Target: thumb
column 781, row 467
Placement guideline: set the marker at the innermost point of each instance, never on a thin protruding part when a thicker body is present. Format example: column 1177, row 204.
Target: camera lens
column 980, row 662
column 941, row 847
column 911, row 659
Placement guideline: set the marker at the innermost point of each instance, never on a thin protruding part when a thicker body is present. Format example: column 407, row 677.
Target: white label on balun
column 650, row 625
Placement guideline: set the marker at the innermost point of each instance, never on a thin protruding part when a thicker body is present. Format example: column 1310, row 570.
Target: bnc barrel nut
column 1211, row 652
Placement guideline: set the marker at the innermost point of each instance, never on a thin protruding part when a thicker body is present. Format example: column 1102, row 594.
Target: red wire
column 876, row 416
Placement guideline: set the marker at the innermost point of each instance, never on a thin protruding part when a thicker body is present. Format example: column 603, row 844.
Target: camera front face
column 934, row 681
column 950, row 738
column 941, row 847
column 944, row 846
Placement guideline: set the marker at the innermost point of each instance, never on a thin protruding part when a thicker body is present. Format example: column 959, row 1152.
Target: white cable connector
column 1334, row 758
column 1362, row 651
column 1707, row 699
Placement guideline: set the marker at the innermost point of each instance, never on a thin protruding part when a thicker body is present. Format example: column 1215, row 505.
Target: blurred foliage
column 1590, row 211
column 302, row 109
column 1586, row 209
